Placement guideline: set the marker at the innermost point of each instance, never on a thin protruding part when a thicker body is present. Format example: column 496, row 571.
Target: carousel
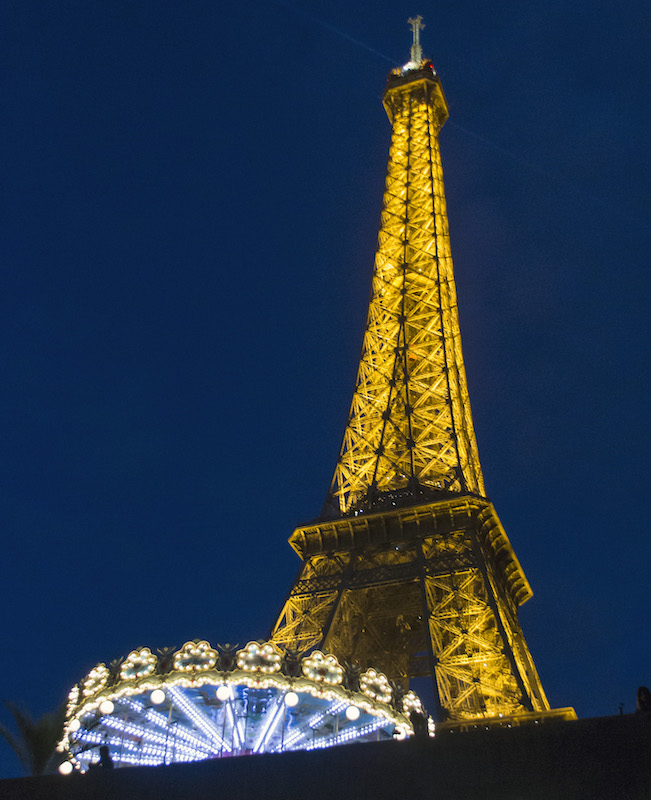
column 200, row 702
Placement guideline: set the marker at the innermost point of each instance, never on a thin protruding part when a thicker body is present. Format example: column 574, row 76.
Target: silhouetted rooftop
column 595, row 759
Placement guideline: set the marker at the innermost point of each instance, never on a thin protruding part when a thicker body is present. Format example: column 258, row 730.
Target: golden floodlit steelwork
column 408, row 568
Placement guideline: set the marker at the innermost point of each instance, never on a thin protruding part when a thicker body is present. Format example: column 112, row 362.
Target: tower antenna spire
column 416, row 27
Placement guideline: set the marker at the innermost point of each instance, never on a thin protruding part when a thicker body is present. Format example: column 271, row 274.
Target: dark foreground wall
column 594, row 759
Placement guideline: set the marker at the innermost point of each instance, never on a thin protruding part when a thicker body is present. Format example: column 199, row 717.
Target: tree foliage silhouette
column 35, row 741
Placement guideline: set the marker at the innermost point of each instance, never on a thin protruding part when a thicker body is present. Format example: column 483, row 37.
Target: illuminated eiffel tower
column 408, row 568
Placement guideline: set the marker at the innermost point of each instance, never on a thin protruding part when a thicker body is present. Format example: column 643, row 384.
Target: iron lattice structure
column 410, row 422
column 409, row 567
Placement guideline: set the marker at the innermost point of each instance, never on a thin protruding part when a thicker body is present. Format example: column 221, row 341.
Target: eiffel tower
column 408, row 568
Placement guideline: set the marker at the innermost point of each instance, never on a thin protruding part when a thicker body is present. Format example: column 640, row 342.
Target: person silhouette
column 643, row 700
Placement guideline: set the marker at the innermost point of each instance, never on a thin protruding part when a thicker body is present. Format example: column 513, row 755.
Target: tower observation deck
column 408, row 567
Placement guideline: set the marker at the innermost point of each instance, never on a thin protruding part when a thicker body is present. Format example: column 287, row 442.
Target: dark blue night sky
column 190, row 202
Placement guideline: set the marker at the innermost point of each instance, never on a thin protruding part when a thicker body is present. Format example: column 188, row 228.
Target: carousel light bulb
column 223, row 692
column 65, row 768
column 106, row 707
column 352, row 713
column 291, row 699
column 157, row 696
column 74, row 725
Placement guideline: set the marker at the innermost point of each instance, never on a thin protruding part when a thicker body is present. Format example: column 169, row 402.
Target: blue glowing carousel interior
column 192, row 724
